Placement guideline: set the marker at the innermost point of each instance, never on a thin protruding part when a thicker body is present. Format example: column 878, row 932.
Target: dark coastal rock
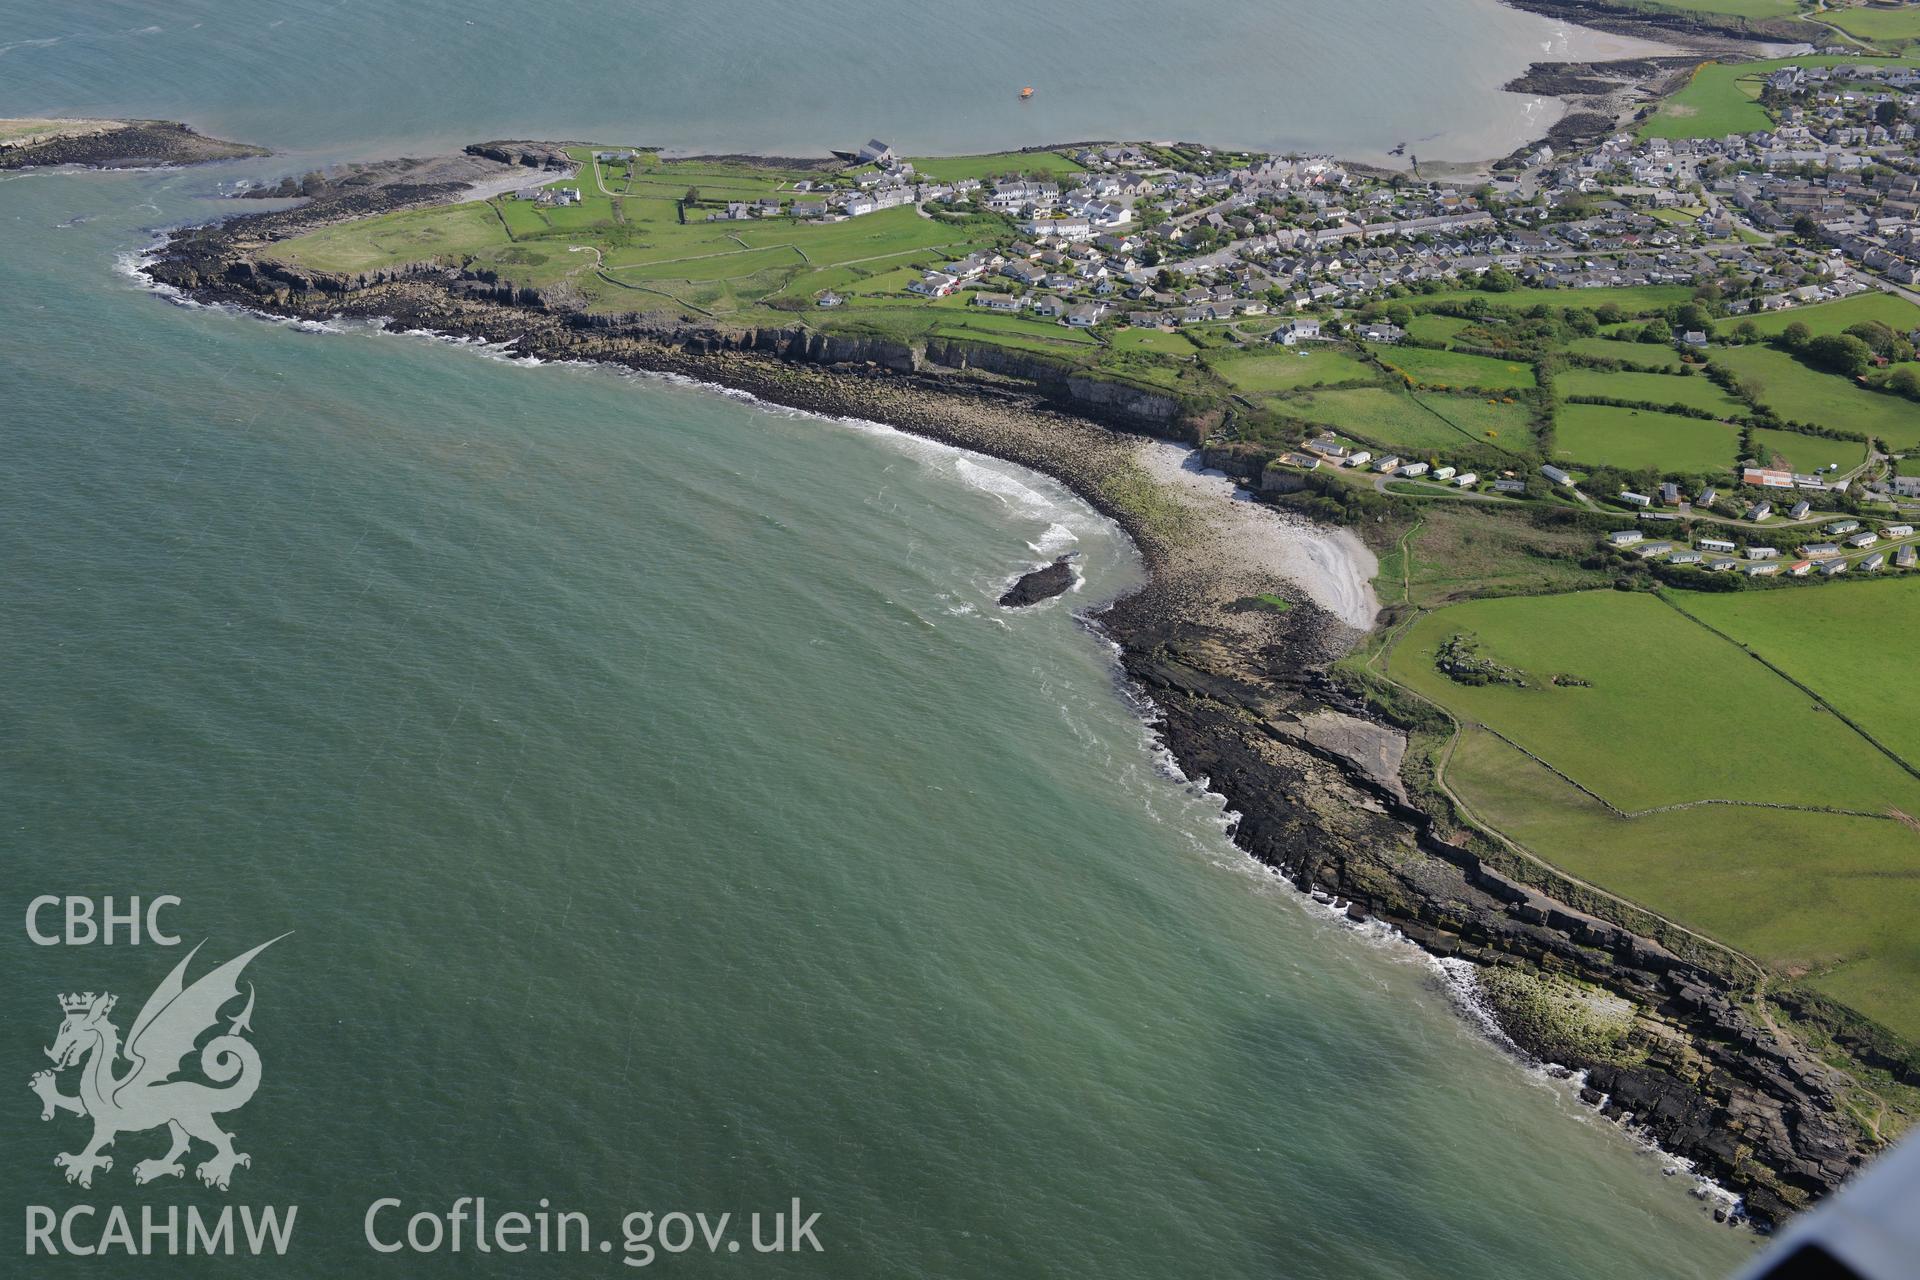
column 1042, row 584
column 1682, row 26
column 138, row 144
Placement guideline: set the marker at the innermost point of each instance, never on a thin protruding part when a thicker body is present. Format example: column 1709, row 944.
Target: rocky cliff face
column 1701, row 1076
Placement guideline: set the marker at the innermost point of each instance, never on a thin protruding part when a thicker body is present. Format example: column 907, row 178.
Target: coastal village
column 1817, row 215
column 1651, row 329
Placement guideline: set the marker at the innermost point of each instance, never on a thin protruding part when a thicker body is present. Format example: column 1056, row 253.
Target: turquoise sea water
column 665, row 818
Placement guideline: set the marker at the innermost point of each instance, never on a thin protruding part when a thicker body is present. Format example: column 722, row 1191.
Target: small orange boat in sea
column 1026, row 93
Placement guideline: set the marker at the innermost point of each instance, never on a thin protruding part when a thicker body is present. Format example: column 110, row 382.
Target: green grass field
column 1695, row 392
column 1457, row 369
column 1429, row 327
column 1834, row 317
column 1632, row 439
column 1396, row 420
column 1884, row 27
column 953, row 168
column 1825, row 897
column 1654, row 356
column 1505, row 426
column 1806, row 453
column 1804, row 394
column 1283, row 370
column 1845, row 643
column 1383, row 419
column 1157, row 341
column 1722, row 98
column 1673, row 713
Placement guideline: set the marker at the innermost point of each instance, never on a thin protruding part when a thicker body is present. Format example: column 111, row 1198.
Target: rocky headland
column 1692, row 28
column 112, row 144
column 1245, row 699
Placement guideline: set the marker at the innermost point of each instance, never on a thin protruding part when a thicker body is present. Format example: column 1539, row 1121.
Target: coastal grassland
column 1398, row 420
column 1430, row 326
column 1730, row 8
column 1650, row 354
column 1723, row 98
column 1460, row 552
column 1881, row 26
column 634, row 252
column 1694, row 392
column 1669, row 712
column 445, row 233
column 1283, row 370
column 1804, row 453
column 1718, row 100
column 1158, row 341
column 1834, row 317
column 1846, row 642
column 1637, row 299
column 1504, row 423
column 36, row 129
column 953, row 168
column 1828, row 898
column 1456, row 369
column 1641, row 439
column 1802, row 393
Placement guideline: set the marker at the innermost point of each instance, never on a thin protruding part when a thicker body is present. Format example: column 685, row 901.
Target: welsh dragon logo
column 145, row 1095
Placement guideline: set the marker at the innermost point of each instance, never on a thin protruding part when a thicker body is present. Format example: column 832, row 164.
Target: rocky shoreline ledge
column 117, row 144
column 1245, row 697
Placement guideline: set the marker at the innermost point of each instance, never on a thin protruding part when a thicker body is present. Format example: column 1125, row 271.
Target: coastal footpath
column 1238, row 664
column 111, row 144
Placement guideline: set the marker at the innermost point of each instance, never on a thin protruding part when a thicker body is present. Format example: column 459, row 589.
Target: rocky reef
column 1043, row 583
column 124, row 144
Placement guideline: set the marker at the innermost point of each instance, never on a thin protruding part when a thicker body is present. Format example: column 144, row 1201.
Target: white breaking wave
column 1056, row 539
